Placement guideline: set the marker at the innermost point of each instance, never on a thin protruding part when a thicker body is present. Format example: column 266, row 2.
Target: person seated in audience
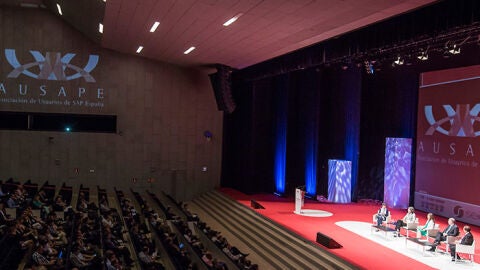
column 82, row 206
column 40, row 259
column 192, row 239
column 219, row 265
column 450, row 230
column 190, row 216
column 47, row 244
column 111, row 261
column 23, row 233
column 408, row 218
column 43, row 197
column 207, row 258
column 21, row 193
column 13, row 201
column 2, row 193
column 228, row 251
column 103, row 205
column 382, row 214
column 4, row 218
column 149, row 259
column 79, row 260
column 13, row 239
column 57, row 233
column 430, row 224
column 59, row 204
column 467, row 239
column 247, row 264
column 112, row 244
column 170, row 215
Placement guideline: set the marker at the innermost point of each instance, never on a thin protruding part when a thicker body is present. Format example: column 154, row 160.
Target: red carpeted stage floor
column 356, row 249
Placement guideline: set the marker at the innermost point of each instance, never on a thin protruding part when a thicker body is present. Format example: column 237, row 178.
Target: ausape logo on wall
column 47, row 80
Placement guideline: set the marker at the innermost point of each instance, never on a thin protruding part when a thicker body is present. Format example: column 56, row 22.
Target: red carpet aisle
column 356, row 248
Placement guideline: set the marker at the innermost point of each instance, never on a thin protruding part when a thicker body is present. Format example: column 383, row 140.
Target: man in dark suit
column 450, row 230
column 382, row 214
column 467, row 239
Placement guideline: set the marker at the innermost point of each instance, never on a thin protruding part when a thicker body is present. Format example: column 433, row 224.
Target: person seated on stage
column 430, row 224
column 467, row 239
column 451, row 230
column 408, row 218
column 382, row 214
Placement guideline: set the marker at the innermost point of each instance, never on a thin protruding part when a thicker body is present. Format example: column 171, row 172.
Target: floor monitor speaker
column 327, row 241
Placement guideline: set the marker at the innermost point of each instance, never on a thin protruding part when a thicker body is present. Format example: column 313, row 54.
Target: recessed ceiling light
column 59, row 8
column 105, row 1
column 189, row 50
column 100, row 28
column 154, row 27
column 140, row 48
column 29, row 5
column 233, row 19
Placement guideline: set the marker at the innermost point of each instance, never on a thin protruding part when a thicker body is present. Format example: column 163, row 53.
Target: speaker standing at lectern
column 299, row 199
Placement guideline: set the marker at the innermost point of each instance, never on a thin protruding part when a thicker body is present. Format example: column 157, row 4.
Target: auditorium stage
column 350, row 226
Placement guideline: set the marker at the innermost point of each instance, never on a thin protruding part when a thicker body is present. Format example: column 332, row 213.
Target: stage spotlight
column 423, row 56
column 399, row 61
column 369, row 67
column 454, row 49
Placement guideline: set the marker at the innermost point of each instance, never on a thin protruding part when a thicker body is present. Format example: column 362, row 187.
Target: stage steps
column 275, row 246
column 206, row 242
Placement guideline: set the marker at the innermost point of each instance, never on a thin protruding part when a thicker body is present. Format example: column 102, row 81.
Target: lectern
column 299, row 199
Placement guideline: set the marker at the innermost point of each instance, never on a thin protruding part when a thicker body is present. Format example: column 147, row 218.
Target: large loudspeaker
column 222, row 86
column 327, row 241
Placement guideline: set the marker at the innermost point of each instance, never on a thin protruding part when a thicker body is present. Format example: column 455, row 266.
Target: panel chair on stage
column 432, row 233
column 411, row 226
column 465, row 249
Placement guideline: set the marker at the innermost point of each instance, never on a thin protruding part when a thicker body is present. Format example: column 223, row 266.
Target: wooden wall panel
column 162, row 111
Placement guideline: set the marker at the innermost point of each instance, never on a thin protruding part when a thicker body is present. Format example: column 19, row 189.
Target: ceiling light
column 189, row 50
column 140, row 48
column 29, row 5
column 233, row 19
column 100, row 28
column 59, row 9
column 154, row 27
column 399, row 61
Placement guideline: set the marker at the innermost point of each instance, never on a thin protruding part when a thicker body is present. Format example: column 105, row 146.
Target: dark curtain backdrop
column 348, row 113
column 328, row 112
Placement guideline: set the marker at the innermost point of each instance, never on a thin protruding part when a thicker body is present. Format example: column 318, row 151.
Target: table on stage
column 382, row 228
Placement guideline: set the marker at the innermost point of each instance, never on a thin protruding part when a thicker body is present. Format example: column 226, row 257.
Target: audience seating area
column 50, row 227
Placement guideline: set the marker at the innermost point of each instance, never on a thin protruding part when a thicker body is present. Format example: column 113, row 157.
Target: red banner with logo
column 448, row 135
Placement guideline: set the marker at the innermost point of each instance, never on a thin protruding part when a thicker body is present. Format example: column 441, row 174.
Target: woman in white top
column 408, row 218
column 430, row 224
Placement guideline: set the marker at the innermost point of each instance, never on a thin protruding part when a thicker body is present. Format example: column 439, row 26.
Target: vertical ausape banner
column 398, row 157
column 448, row 142
column 339, row 181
